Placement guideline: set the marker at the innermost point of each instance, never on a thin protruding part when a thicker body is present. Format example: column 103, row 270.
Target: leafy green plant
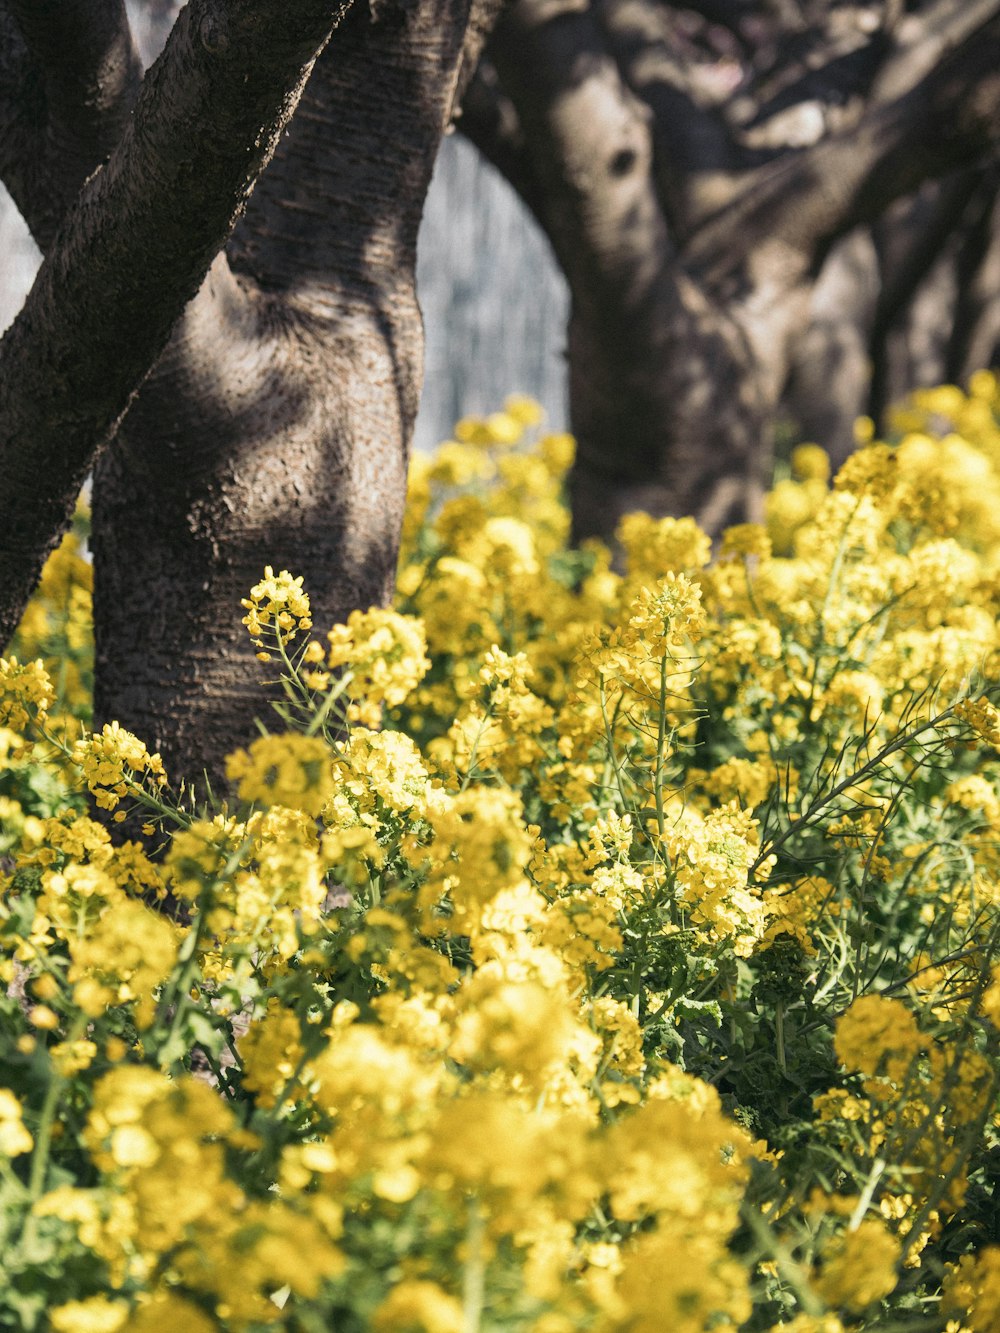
column 582, row 948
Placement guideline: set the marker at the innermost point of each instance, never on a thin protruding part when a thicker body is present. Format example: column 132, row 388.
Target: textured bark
column 130, row 254
column 275, row 428
column 71, row 74
column 917, row 241
column 975, row 336
column 634, row 362
column 939, row 313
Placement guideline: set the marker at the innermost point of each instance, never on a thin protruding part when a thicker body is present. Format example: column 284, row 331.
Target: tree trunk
column 671, row 421
column 692, row 241
column 132, row 250
column 830, row 377
column 276, row 428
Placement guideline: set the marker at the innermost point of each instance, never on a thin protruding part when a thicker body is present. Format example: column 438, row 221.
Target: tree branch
column 133, row 250
column 591, row 144
column 947, row 116
column 79, row 77
column 697, row 160
column 911, row 240
column 489, row 120
column 925, row 40
column 21, row 108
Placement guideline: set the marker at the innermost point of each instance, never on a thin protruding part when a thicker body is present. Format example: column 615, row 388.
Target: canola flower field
column 589, row 948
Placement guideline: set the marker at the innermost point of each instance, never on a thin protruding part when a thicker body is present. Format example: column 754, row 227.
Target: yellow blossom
column 14, row 1138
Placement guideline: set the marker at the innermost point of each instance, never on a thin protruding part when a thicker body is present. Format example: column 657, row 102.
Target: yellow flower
column 480, row 847
column 113, row 761
column 972, row 1289
column 125, row 956
column 272, row 1053
column 166, row 1310
column 524, row 409
column 14, row 1138
column 746, row 539
column 290, row 770
column 991, row 997
column 43, row 1018
column 383, row 766
column 654, row 547
column 810, row 463
column 70, row 1057
column 25, row 692
column 711, row 857
column 877, row 1030
column 419, row 1306
column 983, row 717
column 860, row 1266
column 97, row 1314
column 385, row 654
column 277, row 606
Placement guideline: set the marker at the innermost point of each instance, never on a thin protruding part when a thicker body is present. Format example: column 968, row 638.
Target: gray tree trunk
column 692, row 242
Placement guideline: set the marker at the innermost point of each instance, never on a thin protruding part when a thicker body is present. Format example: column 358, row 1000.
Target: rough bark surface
column 275, row 429
column 132, row 251
column 70, row 76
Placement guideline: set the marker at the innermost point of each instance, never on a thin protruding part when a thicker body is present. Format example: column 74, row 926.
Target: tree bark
column 829, row 364
column 131, row 252
column 71, row 75
column 275, row 429
column 975, row 335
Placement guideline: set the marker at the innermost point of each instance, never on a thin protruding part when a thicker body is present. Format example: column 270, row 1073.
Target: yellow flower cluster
column 57, row 627
column 608, row 944
column 385, row 654
column 983, row 717
column 917, row 1102
column 25, row 692
column 972, row 1290
column 276, row 608
column 290, row 770
column 114, row 763
column 14, row 1138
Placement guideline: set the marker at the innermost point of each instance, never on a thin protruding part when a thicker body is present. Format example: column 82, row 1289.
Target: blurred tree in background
column 747, row 198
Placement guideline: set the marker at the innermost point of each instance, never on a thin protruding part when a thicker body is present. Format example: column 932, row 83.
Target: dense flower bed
column 590, row 947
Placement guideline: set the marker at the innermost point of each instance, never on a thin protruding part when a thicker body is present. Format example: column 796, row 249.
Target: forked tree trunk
column 276, row 427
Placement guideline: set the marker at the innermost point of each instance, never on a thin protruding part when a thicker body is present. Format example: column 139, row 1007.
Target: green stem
column 661, row 734
column 474, row 751
column 474, row 1273
column 867, row 1194
column 851, row 780
column 779, row 1034
column 789, row 1267
column 610, row 735
column 46, row 1121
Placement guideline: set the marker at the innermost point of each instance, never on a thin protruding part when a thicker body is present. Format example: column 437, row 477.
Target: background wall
column 495, row 306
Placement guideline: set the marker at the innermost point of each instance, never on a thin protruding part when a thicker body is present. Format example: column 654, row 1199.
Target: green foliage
column 587, row 948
